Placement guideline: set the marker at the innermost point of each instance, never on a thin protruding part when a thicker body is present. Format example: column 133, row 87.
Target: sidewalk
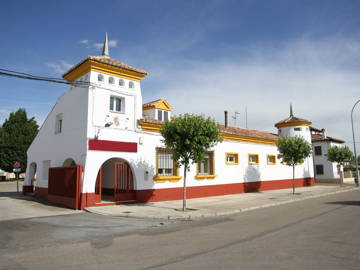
column 220, row 205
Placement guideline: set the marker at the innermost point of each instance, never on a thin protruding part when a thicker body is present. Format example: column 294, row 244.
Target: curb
column 224, row 213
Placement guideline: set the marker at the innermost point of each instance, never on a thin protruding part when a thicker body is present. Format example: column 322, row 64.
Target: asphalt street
column 320, row 233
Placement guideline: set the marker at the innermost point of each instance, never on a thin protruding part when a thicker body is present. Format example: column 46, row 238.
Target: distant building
column 325, row 171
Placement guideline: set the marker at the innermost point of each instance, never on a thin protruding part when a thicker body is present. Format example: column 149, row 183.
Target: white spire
column 105, row 51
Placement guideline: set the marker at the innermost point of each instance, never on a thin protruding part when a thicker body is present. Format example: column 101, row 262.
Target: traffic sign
column 16, row 170
column 16, row 164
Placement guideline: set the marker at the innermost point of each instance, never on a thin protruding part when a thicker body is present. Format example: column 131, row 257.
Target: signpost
column 17, row 170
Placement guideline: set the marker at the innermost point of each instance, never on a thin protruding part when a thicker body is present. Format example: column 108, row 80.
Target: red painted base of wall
column 27, row 189
column 41, row 192
column 168, row 194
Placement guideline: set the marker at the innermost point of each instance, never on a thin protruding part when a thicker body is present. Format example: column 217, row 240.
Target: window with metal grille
column 319, row 169
column 206, row 167
column 318, row 151
column 165, row 163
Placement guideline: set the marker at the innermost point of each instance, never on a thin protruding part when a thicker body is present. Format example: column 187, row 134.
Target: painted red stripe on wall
column 101, row 145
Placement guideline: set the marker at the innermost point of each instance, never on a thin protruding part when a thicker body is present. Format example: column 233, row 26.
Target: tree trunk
column 293, row 179
column 341, row 173
column 184, row 189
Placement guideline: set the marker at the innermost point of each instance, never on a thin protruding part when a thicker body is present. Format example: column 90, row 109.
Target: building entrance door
column 123, row 182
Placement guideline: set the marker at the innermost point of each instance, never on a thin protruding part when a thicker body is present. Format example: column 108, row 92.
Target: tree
column 188, row 137
column 16, row 135
column 293, row 150
column 339, row 155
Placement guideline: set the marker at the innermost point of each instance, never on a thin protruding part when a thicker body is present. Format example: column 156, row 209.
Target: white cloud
column 320, row 78
column 112, row 44
column 98, row 45
column 84, row 41
column 60, row 66
column 4, row 111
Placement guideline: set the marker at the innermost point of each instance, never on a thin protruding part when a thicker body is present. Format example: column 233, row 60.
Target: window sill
column 232, row 163
column 253, row 163
column 163, row 179
column 205, row 176
column 271, row 164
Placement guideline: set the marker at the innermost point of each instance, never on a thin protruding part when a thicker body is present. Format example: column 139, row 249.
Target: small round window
column 121, row 83
column 131, row 85
column 111, row 80
column 100, row 78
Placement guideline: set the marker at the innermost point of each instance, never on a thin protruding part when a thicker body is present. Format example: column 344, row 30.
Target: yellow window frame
column 212, row 168
column 236, row 162
column 257, row 159
column 162, row 178
column 270, row 162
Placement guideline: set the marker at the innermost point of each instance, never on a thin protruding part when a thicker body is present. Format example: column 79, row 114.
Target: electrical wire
column 22, row 75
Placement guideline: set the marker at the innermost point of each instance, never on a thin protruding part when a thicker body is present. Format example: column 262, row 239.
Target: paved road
column 320, row 233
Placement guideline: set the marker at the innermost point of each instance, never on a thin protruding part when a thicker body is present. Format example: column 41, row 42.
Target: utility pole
column 353, row 134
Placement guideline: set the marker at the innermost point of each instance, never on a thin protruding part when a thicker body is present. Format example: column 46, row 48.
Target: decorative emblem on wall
column 116, row 121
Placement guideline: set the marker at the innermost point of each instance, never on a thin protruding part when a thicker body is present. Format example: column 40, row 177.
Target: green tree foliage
column 16, row 135
column 339, row 154
column 188, row 137
column 293, row 151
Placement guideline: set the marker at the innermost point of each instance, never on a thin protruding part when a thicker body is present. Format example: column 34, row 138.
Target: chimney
column 226, row 118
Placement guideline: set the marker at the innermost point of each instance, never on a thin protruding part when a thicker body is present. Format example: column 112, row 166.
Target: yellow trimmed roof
column 161, row 104
column 107, row 65
column 293, row 121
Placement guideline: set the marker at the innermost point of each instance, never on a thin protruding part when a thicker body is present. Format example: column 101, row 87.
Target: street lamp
column 352, row 126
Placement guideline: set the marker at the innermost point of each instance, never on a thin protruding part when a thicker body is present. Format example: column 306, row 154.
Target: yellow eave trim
column 161, row 104
column 293, row 124
column 162, row 179
column 91, row 65
column 240, row 138
column 205, row 176
column 155, row 127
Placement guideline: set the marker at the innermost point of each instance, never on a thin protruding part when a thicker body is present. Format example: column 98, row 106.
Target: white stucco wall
column 70, row 143
column 145, row 161
column 330, row 168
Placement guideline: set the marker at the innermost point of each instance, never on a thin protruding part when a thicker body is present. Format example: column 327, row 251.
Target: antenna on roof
column 291, row 110
column 105, row 51
column 235, row 117
column 246, row 118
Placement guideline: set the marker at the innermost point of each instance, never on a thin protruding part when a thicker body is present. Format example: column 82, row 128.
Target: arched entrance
column 115, row 181
column 69, row 162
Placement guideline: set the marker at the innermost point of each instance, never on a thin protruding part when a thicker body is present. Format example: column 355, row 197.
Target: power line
column 22, row 75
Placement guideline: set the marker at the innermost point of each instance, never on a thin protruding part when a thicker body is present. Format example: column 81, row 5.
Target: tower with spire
column 294, row 126
column 115, row 85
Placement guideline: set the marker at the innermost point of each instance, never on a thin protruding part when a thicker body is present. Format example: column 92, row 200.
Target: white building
column 325, row 171
column 101, row 124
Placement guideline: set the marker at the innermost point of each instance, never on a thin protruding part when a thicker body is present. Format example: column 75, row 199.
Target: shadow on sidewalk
column 352, row 203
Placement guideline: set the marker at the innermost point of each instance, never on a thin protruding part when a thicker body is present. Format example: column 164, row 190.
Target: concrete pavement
column 220, row 205
column 14, row 205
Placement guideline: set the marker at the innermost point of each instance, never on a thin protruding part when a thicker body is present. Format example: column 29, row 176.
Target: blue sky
column 202, row 56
